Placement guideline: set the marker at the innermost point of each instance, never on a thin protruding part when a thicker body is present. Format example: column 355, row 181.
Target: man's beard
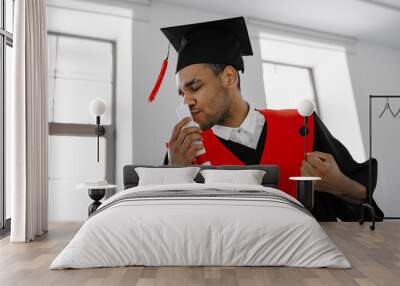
column 223, row 113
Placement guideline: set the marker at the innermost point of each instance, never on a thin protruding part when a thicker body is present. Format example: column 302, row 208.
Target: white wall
column 376, row 70
column 373, row 69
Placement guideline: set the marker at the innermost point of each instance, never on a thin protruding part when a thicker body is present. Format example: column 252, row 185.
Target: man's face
column 203, row 91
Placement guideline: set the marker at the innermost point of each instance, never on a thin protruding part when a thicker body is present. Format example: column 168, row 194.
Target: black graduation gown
column 327, row 207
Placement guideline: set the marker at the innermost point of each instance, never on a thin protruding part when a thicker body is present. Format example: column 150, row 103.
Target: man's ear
column 230, row 77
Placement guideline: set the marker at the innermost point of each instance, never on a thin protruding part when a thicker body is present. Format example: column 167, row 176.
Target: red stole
column 284, row 146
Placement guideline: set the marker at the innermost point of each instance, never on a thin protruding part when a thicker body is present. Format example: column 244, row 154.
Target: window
column 6, row 43
column 80, row 70
column 299, row 65
column 279, row 93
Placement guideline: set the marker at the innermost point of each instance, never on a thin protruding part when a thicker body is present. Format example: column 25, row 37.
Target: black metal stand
column 98, row 135
column 96, row 195
column 368, row 205
column 303, row 131
column 372, row 210
column 305, row 137
column 100, row 131
column 305, row 193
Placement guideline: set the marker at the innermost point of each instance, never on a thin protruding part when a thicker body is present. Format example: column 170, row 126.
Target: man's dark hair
column 219, row 68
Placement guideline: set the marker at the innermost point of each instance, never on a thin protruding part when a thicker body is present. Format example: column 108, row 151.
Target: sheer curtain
column 28, row 123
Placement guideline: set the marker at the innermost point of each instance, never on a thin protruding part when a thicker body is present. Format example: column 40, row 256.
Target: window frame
column 6, row 39
column 312, row 78
column 89, row 130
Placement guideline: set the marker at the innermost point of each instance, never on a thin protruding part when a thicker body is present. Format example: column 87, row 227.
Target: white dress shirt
column 248, row 133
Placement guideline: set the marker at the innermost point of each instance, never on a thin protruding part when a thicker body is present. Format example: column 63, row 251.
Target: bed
column 198, row 224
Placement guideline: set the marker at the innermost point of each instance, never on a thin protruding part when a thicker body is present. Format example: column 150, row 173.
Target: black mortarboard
column 215, row 42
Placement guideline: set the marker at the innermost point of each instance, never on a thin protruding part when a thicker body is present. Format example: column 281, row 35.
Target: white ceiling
column 372, row 20
column 389, row 3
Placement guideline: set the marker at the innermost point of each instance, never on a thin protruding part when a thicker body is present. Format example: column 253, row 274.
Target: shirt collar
column 249, row 124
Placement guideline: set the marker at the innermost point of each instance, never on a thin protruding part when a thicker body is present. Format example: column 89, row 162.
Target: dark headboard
column 270, row 179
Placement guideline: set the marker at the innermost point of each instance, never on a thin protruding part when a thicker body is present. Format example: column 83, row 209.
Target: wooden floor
column 374, row 255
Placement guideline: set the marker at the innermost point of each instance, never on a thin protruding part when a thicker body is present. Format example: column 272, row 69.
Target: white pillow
column 248, row 177
column 163, row 176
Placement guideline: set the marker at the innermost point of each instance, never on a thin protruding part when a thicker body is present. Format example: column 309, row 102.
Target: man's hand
column 181, row 147
column 333, row 181
column 322, row 165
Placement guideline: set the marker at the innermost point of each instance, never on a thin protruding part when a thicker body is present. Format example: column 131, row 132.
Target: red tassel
column 157, row 85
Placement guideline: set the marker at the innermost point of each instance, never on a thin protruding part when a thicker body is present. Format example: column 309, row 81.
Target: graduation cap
column 214, row 42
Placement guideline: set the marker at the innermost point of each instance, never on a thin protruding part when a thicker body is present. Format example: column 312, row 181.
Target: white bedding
column 200, row 231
